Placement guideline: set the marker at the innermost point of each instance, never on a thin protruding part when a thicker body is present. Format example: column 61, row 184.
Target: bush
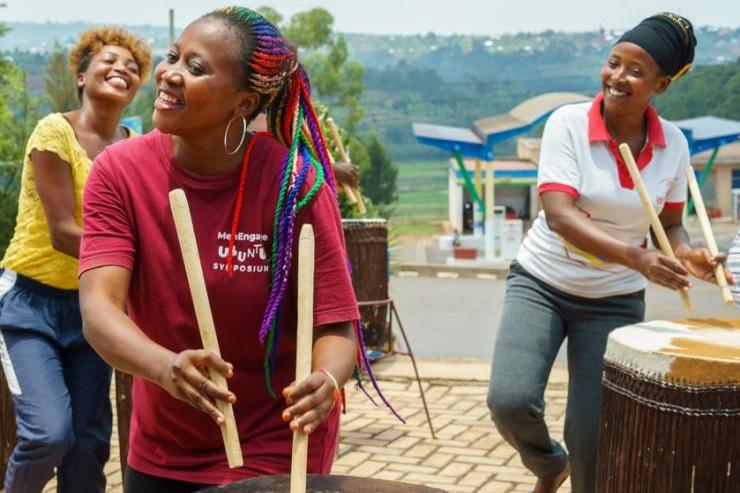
column 18, row 117
column 10, row 177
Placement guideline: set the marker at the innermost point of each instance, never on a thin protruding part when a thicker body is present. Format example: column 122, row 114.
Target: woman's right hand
column 186, row 377
column 659, row 269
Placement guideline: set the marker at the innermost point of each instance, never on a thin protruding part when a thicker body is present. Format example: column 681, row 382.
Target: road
column 459, row 317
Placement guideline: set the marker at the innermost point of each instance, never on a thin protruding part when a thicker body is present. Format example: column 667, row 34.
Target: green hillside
column 710, row 90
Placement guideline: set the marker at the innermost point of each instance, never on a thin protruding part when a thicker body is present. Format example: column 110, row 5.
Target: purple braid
column 316, row 135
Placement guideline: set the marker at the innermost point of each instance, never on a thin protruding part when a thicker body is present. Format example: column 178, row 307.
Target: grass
column 422, row 198
column 397, row 229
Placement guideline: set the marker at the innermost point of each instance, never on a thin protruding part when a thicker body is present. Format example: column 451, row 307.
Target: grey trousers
column 536, row 320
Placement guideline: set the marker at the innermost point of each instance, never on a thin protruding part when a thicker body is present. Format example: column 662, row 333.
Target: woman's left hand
column 700, row 264
column 309, row 402
column 347, row 174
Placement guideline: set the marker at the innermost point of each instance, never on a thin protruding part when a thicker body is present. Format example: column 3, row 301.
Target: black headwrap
column 668, row 38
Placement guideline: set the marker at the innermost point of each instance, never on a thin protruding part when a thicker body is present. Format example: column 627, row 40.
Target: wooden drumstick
column 660, row 235
column 344, row 157
column 304, row 347
column 197, row 283
column 706, row 229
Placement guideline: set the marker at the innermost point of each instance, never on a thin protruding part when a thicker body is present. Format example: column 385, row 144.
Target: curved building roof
column 527, row 113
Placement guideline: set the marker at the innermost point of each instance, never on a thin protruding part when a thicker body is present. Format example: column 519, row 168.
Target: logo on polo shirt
column 249, row 252
column 666, row 184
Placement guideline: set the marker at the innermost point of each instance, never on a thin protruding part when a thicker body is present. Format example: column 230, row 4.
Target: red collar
column 597, row 128
column 597, row 132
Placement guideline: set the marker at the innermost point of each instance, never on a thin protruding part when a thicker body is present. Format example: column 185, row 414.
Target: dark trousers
column 138, row 482
column 536, row 320
column 60, row 389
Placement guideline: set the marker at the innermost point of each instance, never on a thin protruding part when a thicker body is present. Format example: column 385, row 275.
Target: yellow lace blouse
column 30, row 251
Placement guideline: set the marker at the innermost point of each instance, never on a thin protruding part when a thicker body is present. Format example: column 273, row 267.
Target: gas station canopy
column 709, row 132
column 477, row 142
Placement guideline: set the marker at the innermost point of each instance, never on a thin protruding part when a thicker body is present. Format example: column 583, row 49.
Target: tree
column 707, row 90
column 311, row 30
column 335, row 79
column 339, row 78
column 18, row 116
column 270, row 14
column 61, row 89
column 379, row 181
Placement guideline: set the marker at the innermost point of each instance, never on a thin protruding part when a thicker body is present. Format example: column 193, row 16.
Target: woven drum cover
column 367, row 249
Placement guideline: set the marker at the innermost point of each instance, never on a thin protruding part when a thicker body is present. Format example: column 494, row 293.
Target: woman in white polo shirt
column 582, row 269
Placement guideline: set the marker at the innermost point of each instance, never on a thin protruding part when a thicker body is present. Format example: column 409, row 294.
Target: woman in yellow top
column 58, row 383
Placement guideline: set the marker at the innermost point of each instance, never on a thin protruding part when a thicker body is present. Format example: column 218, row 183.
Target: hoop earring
column 226, row 136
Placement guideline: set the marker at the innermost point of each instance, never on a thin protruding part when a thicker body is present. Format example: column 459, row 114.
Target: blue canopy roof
column 453, row 139
column 478, row 141
column 709, row 132
column 706, row 132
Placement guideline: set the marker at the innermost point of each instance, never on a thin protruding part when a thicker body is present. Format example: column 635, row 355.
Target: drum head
column 321, row 484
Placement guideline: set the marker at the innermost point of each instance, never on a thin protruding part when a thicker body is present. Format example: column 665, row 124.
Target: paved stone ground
column 468, row 454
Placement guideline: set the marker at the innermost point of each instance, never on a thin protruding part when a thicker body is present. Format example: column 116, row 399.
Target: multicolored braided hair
column 273, row 71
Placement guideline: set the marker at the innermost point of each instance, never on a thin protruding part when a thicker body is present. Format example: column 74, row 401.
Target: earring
column 226, row 136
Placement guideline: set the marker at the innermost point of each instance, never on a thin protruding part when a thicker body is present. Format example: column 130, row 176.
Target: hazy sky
column 397, row 16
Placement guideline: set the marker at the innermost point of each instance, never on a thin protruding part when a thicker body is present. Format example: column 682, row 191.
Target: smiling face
column 200, row 84
column 112, row 74
column 630, row 78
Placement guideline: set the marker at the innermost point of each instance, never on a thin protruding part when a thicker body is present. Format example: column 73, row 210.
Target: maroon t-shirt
column 128, row 223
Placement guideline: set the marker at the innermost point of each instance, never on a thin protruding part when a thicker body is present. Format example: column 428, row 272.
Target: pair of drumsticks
column 660, row 235
column 304, row 343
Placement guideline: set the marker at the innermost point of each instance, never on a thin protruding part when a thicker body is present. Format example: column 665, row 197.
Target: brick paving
column 468, row 455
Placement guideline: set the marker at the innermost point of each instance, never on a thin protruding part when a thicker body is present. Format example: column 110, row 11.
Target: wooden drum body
column 367, row 249
column 321, row 484
column 671, row 409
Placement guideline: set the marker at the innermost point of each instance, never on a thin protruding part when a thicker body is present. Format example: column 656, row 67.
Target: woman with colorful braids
column 581, row 271
column 248, row 195
column 59, row 385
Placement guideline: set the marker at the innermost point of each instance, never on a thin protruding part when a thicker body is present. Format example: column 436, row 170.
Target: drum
column 7, row 427
column 671, row 408
column 321, row 484
column 367, row 248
